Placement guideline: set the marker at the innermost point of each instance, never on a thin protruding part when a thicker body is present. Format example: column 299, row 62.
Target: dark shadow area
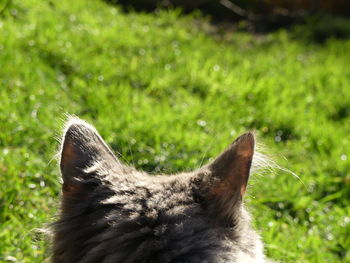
column 312, row 20
column 322, row 26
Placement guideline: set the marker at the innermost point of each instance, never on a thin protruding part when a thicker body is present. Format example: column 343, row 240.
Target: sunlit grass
column 168, row 96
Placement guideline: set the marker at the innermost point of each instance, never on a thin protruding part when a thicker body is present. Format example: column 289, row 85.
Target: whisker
column 262, row 162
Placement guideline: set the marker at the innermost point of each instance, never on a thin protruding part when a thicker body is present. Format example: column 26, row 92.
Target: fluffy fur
column 113, row 213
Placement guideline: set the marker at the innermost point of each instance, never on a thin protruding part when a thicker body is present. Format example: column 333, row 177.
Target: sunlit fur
column 113, row 213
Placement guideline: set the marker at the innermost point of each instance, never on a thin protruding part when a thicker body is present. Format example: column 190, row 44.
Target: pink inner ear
column 72, row 188
column 69, row 187
column 67, row 154
column 243, row 189
column 245, row 149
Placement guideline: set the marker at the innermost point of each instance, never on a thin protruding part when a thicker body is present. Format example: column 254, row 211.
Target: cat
column 111, row 212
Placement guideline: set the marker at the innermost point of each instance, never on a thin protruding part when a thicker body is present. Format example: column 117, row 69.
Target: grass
column 167, row 93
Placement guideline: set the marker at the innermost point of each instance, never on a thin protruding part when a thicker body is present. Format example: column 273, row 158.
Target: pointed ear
column 83, row 154
column 232, row 167
column 226, row 178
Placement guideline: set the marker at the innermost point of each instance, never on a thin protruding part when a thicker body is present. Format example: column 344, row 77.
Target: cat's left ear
column 84, row 155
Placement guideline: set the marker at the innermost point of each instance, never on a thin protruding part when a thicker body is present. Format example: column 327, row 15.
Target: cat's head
column 113, row 213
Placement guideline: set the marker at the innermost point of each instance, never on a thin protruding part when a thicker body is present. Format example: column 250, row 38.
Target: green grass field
column 168, row 91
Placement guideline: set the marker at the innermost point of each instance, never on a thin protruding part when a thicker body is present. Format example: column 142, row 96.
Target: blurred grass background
column 169, row 91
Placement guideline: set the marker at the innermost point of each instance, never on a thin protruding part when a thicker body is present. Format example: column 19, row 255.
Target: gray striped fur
column 113, row 213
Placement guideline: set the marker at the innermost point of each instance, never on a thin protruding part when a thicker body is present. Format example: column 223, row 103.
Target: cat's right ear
column 84, row 158
column 224, row 181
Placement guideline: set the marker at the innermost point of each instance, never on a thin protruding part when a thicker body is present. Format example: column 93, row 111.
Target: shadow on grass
column 316, row 27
